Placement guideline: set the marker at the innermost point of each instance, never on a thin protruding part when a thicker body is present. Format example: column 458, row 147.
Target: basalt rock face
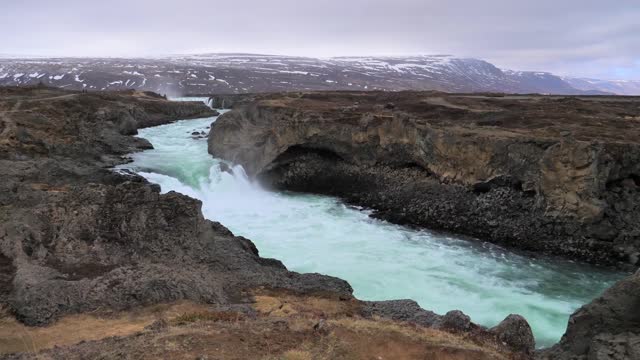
column 558, row 175
column 513, row 331
column 228, row 101
column 606, row 329
column 76, row 237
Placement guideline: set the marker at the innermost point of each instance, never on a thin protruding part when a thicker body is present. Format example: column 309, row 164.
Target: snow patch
column 293, row 72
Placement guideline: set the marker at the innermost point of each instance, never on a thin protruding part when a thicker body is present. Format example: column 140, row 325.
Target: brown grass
column 289, row 305
column 297, row 355
column 188, row 318
column 413, row 333
column 5, row 315
column 356, row 338
column 346, row 335
column 283, row 330
column 16, row 337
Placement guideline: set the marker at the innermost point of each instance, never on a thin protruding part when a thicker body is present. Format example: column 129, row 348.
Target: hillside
column 249, row 73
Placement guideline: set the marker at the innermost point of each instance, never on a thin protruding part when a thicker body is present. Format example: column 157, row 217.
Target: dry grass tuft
column 297, row 355
column 427, row 336
column 285, row 330
column 288, row 305
column 16, row 337
column 225, row 316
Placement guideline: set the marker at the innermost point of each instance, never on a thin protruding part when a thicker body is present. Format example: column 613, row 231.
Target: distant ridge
column 245, row 73
column 620, row 87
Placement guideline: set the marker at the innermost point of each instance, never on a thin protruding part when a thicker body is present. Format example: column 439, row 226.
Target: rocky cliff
column 78, row 237
column 550, row 174
column 608, row 328
column 87, row 254
column 559, row 175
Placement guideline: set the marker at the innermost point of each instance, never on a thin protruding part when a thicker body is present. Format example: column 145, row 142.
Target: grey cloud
column 584, row 38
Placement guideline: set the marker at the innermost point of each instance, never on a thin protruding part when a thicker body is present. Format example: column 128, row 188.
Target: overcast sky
column 569, row 37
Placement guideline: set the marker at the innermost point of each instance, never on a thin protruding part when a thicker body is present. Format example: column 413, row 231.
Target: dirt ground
column 275, row 326
column 602, row 118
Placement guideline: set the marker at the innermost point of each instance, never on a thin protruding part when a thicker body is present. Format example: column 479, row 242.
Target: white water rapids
column 381, row 261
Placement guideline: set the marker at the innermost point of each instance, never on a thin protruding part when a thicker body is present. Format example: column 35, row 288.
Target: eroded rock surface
column 559, row 175
column 608, row 328
column 80, row 242
column 515, row 331
column 76, row 237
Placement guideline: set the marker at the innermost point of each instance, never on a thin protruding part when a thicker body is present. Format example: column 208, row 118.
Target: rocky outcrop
column 228, row 101
column 515, row 331
column 550, row 174
column 77, row 237
column 606, row 329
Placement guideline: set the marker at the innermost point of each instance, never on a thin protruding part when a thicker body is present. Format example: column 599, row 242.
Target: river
column 381, row 261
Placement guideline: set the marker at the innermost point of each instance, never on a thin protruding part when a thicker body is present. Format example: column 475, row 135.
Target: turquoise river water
column 381, row 261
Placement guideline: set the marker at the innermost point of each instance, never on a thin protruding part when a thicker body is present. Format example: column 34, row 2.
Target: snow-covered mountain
column 620, row 87
column 241, row 73
column 542, row 82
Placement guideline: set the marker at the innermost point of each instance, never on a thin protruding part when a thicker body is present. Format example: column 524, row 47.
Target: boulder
column 515, row 332
column 454, row 320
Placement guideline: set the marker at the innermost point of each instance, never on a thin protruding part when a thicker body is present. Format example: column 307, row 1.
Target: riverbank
column 555, row 175
column 78, row 239
column 380, row 260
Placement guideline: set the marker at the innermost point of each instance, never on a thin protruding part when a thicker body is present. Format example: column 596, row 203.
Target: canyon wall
column 559, row 175
column 83, row 247
column 76, row 237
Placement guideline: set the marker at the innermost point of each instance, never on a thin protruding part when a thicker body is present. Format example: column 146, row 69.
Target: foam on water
column 380, row 260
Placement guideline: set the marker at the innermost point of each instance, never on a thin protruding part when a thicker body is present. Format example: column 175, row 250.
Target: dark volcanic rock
column 531, row 172
column 228, row 101
column 606, row 329
column 224, row 167
column 454, row 320
column 515, row 332
column 126, row 245
column 77, row 237
column 158, row 325
column 402, row 310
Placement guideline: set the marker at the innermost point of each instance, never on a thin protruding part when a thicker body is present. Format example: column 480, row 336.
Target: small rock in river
column 225, row 168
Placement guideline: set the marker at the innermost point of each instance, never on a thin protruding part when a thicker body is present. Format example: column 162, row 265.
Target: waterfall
column 382, row 261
